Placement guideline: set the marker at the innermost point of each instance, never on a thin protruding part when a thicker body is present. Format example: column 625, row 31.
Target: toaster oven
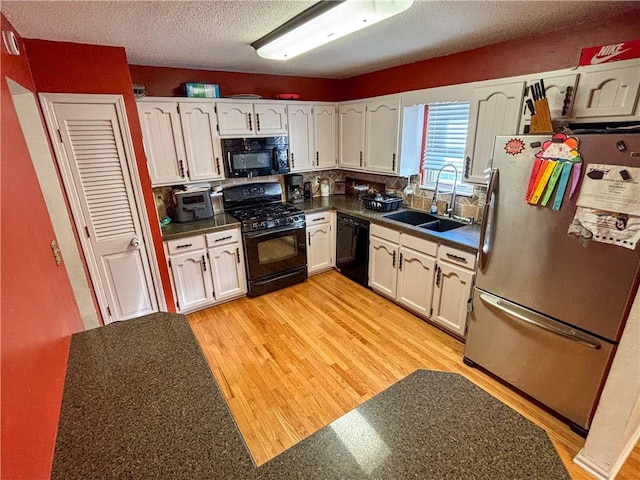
column 192, row 205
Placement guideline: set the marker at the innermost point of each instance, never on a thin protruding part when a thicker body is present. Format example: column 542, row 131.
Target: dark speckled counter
column 221, row 221
column 465, row 238
column 140, row 402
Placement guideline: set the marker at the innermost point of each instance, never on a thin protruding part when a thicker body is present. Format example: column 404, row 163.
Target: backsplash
column 467, row 207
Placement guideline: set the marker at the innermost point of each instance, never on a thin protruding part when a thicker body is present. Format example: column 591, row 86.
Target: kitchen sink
column 411, row 217
column 442, row 225
column 425, row 220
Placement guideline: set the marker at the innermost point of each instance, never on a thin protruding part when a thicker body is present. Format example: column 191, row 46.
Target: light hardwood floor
column 290, row 362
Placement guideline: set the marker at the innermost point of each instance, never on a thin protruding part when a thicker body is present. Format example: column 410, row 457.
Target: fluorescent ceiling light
column 324, row 22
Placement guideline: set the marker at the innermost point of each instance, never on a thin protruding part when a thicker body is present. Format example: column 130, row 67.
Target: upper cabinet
column 312, row 136
column 607, row 91
column 324, row 134
column 351, row 136
column 560, row 92
column 251, row 119
column 495, row 110
column 381, row 135
column 180, row 140
column 369, row 134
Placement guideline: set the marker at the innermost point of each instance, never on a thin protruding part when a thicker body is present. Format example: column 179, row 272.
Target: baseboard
column 597, row 471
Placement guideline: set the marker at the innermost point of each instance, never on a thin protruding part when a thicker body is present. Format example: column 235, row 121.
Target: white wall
column 616, row 425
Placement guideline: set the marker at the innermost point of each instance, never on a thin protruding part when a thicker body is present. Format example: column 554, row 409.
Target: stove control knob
column 295, row 219
column 289, row 219
column 263, row 225
column 254, row 226
column 276, row 221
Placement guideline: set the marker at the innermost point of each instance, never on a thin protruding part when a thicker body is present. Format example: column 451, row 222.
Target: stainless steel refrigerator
column 548, row 309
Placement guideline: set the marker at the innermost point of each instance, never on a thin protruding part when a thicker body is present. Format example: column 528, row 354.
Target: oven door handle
column 271, row 231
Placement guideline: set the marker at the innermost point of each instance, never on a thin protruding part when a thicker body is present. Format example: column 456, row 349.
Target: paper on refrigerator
column 614, row 188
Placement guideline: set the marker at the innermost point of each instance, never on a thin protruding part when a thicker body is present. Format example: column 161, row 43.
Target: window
column 444, row 139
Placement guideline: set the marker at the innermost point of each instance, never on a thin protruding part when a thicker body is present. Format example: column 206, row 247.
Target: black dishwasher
column 352, row 248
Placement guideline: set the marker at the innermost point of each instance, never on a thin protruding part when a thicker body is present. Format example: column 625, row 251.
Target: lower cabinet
column 402, row 268
column 206, row 269
column 320, row 241
column 433, row 281
column 453, row 289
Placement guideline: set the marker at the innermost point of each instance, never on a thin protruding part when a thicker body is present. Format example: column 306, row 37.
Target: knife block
column 541, row 121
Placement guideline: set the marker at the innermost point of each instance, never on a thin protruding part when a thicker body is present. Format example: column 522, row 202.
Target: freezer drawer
column 555, row 364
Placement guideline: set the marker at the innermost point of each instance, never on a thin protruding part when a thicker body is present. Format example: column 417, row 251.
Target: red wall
column 168, row 82
column 37, row 304
column 527, row 55
column 59, row 67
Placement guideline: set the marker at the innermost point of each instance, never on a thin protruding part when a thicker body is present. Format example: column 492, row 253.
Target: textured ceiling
column 216, row 35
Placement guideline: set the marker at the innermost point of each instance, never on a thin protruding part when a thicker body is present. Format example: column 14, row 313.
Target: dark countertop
column 221, row 221
column 465, row 238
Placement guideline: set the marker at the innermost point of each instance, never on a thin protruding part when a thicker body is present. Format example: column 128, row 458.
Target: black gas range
column 273, row 235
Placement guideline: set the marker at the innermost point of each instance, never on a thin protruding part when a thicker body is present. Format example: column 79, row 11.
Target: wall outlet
column 317, row 180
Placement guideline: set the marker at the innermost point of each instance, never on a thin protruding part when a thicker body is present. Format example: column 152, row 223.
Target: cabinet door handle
column 317, row 159
column 218, row 165
column 221, row 239
column 456, row 258
column 309, row 237
column 204, row 264
column 257, row 121
column 293, row 162
column 467, row 167
column 400, row 262
column 184, row 245
column 438, row 276
column 360, row 158
column 238, row 254
column 181, row 165
column 250, row 124
column 393, row 162
column 318, row 219
column 393, row 261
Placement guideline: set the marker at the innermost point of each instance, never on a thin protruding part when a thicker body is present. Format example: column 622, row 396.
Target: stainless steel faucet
column 452, row 205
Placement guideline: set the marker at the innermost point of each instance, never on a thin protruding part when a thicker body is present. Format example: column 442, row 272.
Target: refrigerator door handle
column 483, row 251
column 539, row 321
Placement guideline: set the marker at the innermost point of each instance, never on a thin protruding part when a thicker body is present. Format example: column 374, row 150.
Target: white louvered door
column 92, row 142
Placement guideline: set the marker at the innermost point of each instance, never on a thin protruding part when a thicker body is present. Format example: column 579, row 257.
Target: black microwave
column 254, row 157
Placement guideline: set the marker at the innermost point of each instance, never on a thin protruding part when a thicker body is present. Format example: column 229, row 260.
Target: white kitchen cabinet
column 201, row 141
column 453, row 289
column 495, row 110
column 227, row 264
column 181, row 141
column 607, row 91
column 206, row 269
column 320, row 242
column 416, row 275
column 383, row 272
column 324, row 135
column 381, row 135
column 351, row 118
column 402, row 268
column 251, row 119
column 560, row 91
column 301, row 137
column 191, row 279
column 162, row 138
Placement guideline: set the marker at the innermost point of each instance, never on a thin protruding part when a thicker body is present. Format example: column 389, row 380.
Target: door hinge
column 178, row 305
column 218, row 128
column 60, row 135
column 208, row 255
column 431, row 312
column 86, row 230
column 215, row 109
column 109, row 311
column 178, row 108
column 470, row 305
column 169, row 263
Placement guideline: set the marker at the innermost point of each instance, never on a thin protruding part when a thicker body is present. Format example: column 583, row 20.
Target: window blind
column 445, row 139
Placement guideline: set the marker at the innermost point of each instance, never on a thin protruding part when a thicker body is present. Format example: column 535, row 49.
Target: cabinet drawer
column 181, row 245
column 458, row 257
column 385, row 233
column 419, row 244
column 318, row 218
column 223, row 237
